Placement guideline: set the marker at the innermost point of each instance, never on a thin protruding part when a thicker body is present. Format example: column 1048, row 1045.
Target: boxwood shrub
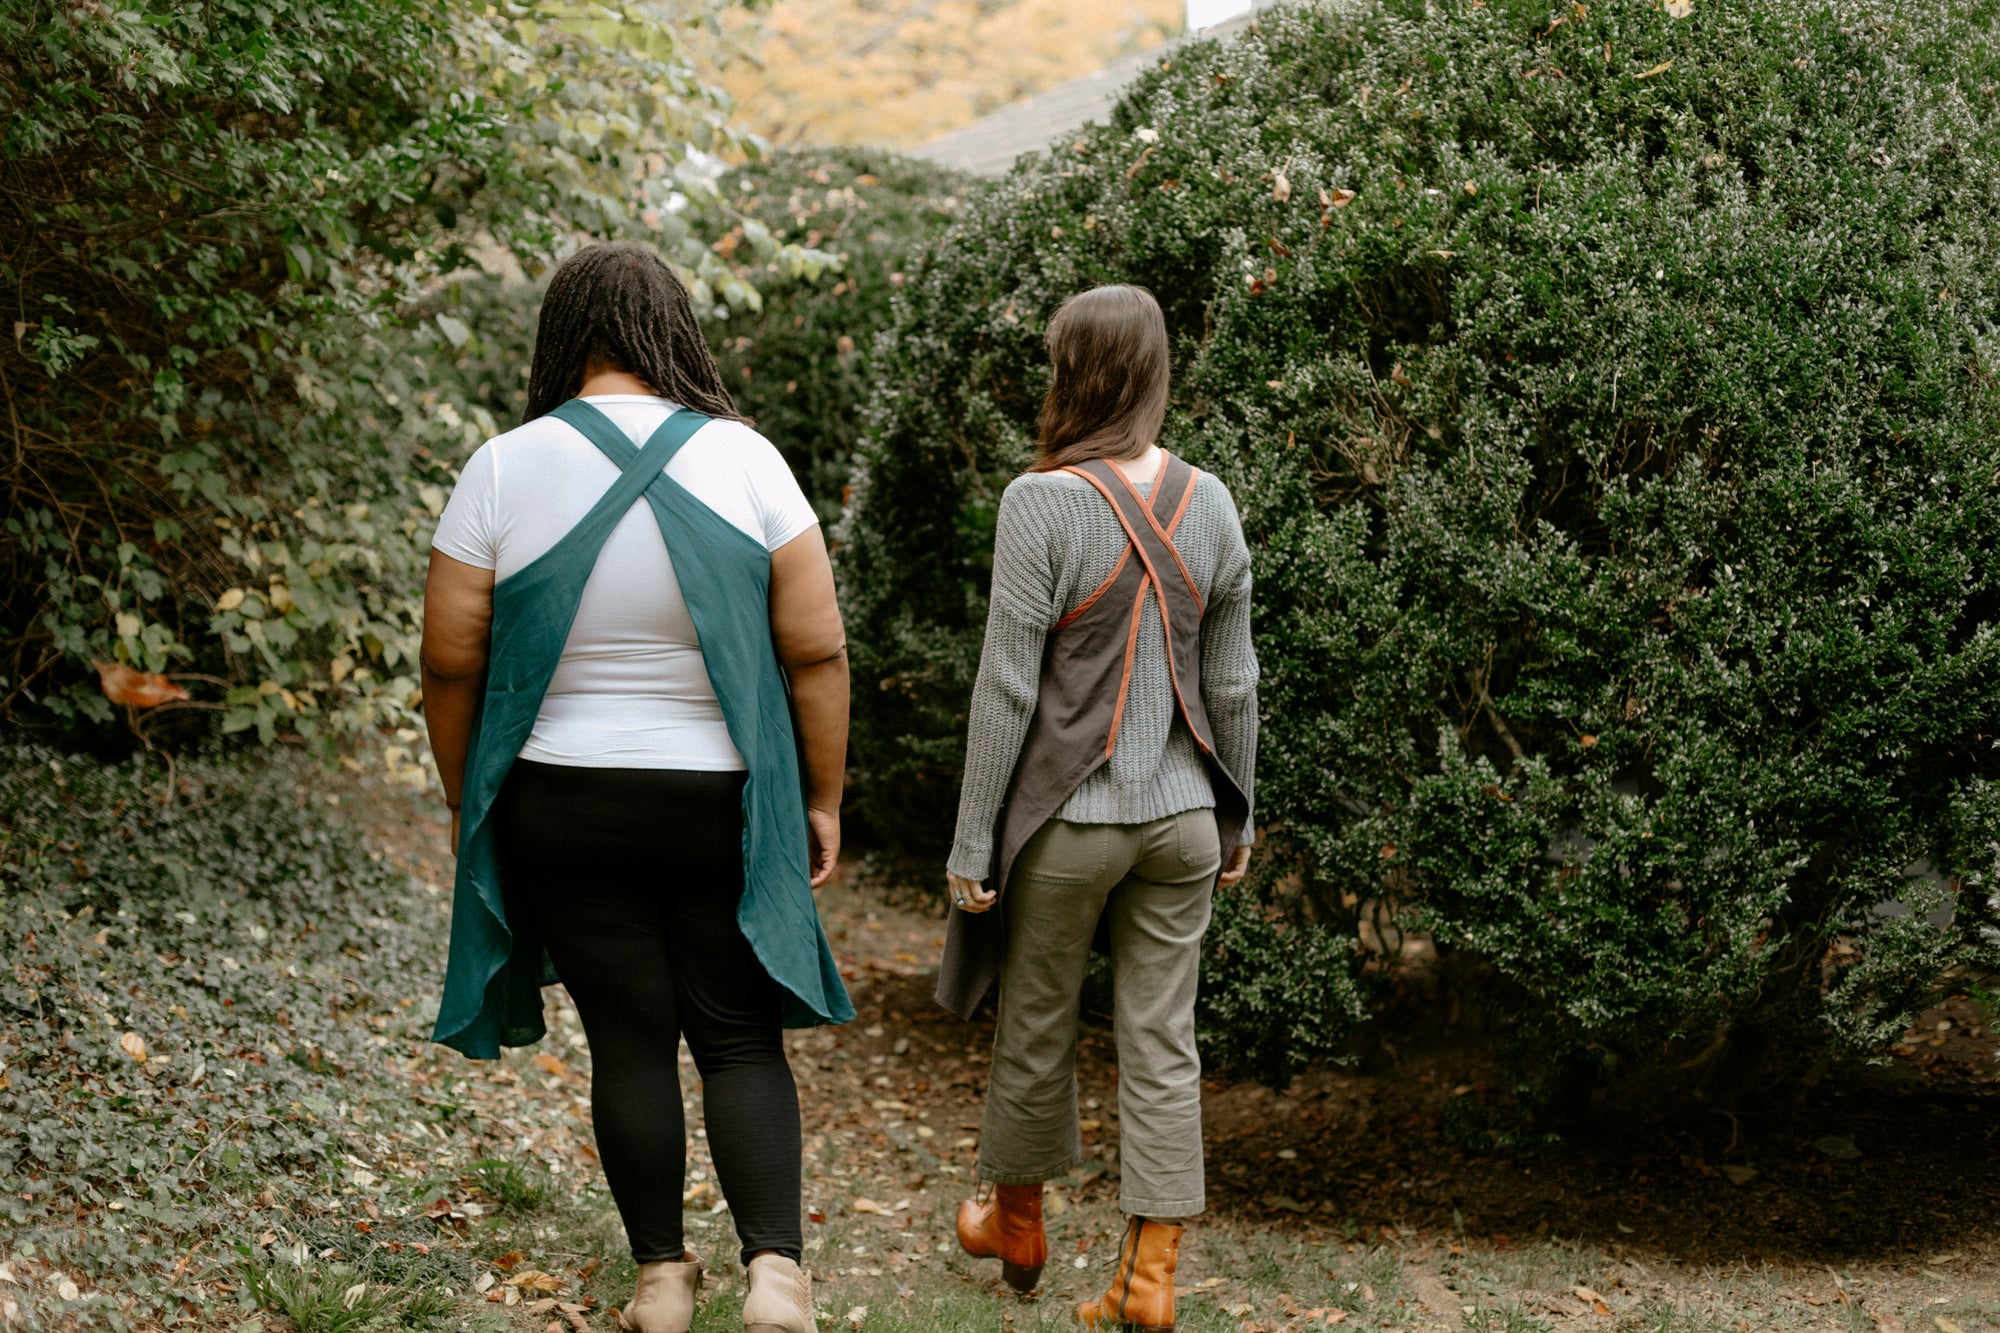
column 1609, row 393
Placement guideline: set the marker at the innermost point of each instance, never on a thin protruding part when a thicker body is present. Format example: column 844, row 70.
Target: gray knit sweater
column 1057, row 540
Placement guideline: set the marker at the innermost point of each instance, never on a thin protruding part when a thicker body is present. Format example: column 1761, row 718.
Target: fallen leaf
column 1595, row 1301
column 865, row 1205
column 1586, row 741
column 133, row 1045
column 1281, row 189
column 1660, row 68
column 352, row 1296
column 1740, row 1175
column 136, row 689
column 1679, row 9
column 1285, row 1203
column 533, row 1279
column 66, row 1289
column 1340, row 198
column 856, row 1315
column 550, row 1064
column 1946, row 1325
column 511, row 1259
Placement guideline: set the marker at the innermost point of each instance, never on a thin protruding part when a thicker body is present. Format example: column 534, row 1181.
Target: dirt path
column 1347, row 1199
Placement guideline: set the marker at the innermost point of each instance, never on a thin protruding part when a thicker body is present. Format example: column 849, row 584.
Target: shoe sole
column 1019, row 1278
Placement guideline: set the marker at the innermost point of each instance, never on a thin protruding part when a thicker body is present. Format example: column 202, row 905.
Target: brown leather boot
column 1007, row 1227
column 1142, row 1290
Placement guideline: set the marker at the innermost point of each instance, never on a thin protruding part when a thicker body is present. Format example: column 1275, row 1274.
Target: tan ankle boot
column 780, row 1299
column 665, row 1299
column 1142, row 1290
column 1007, row 1227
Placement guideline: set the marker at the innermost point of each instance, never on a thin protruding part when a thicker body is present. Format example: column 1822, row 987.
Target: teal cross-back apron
column 495, row 971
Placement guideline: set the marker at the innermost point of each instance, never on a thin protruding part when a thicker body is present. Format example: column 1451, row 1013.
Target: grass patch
column 509, row 1186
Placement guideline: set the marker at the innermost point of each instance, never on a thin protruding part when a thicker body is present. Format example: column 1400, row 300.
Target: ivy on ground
column 202, row 1009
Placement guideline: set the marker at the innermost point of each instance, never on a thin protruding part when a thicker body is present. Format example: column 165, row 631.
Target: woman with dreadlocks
column 631, row 649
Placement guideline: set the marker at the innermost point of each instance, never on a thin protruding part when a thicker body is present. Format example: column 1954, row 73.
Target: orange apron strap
column 1153, row 577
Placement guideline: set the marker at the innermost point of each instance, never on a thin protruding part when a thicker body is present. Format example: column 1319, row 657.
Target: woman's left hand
column 970, row 895
column 1234, row 867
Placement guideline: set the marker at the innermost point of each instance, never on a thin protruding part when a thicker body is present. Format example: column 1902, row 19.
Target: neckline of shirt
column 627, row 398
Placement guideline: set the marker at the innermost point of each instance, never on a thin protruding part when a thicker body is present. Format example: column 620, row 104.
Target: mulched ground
column 1867, row 1161
column 1882, row 1182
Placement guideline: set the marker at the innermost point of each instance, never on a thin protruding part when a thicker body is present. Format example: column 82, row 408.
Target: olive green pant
column 1154, row 882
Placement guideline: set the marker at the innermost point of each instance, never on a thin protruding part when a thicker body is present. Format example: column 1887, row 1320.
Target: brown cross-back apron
column 1086, row 676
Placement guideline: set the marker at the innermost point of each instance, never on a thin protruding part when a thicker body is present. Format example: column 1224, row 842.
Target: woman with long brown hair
column 629, row 604
column 1107, row 791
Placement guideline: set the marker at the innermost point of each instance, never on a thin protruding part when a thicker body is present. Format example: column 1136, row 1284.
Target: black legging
column 631, row 877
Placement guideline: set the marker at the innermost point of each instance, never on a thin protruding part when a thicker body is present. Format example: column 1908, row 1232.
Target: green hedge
column 1609, row 397
column 800, row 362
column 230, row 412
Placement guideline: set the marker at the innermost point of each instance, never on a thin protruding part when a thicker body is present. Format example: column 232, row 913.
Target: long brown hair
column 1108, row 393
column 620, row 305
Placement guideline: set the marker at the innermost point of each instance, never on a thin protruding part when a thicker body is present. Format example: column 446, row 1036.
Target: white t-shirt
column 631, row 690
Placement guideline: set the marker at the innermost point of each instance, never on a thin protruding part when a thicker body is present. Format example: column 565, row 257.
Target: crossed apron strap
column 662, row 444
column 1153, row 541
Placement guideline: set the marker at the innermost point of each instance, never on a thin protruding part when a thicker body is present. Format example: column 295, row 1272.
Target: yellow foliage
column 900, row 72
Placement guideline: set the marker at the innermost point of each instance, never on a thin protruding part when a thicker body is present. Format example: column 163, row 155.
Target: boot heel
column 1019, row 1278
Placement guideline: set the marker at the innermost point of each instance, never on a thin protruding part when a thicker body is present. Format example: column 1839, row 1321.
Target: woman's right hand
column 970, row 895
column 823, row 846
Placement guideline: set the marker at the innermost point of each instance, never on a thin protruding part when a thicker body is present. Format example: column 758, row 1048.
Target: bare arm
column 458, row 616
column 812, row 647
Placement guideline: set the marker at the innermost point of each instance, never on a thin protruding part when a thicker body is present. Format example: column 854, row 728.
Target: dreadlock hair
column 618, row 305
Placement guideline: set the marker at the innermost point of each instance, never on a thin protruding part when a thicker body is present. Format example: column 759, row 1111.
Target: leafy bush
column 1609, row 399
column 800, row 361
column 196, row 1023
column 225, row 228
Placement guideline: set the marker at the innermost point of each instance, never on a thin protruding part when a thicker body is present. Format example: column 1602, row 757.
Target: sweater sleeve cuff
column 970, row 862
